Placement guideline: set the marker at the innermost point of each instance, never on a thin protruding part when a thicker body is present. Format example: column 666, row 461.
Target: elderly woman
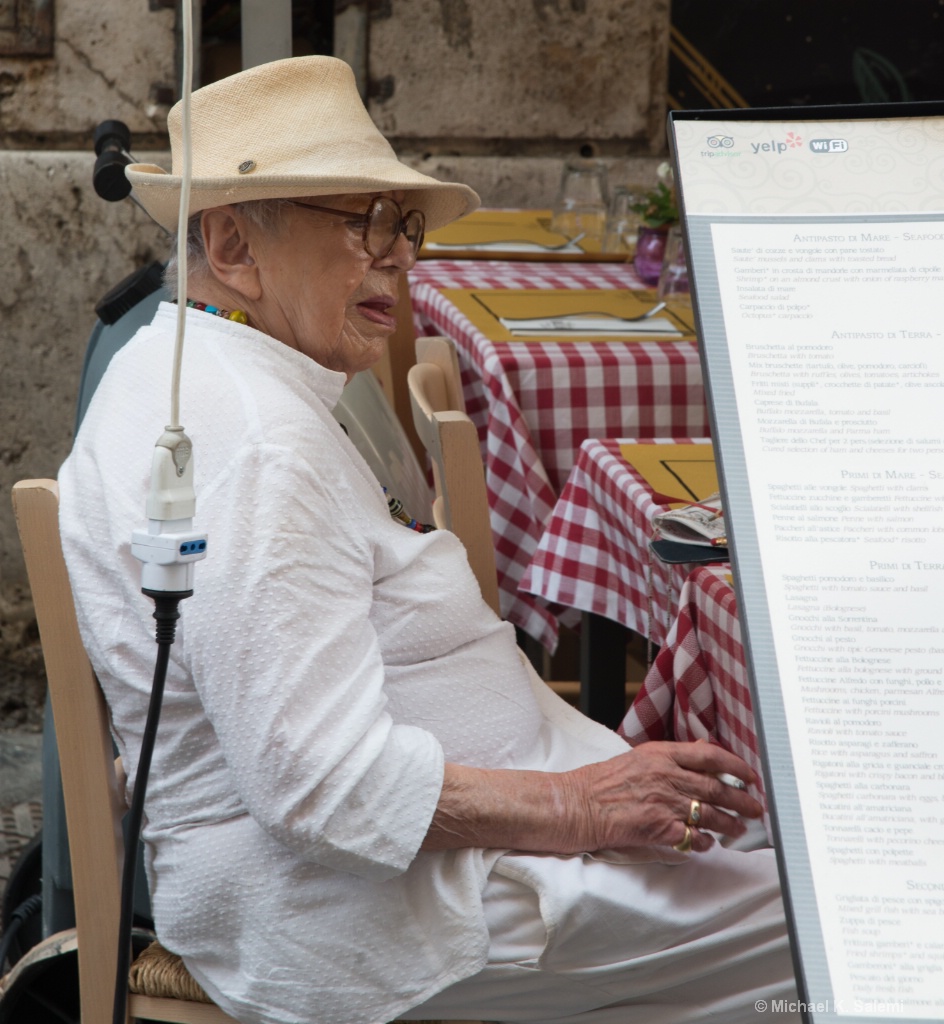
column 361, row 805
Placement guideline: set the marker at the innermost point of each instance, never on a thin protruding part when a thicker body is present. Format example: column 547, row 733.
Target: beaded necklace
column 397, row 512
column 237, row 314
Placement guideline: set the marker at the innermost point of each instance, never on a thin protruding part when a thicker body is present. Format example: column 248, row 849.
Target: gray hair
column 264, row 213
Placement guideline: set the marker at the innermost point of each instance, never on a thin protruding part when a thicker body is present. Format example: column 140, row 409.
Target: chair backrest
column 399, row 356
column 451, row 440
column 93, row 797
column 94, row 805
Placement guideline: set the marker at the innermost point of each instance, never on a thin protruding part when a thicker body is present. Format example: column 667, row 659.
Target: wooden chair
column 161, row 987
column 450, row 438
column 399, row 356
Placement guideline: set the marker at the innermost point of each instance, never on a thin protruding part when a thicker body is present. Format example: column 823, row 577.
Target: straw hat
column 295, row 127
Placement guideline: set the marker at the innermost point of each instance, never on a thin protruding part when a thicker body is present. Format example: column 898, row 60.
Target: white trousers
column 581, row 941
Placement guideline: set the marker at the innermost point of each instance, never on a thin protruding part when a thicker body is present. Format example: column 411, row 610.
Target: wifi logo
column 829, row 145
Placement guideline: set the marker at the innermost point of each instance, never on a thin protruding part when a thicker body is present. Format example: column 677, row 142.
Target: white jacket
column 327, row 664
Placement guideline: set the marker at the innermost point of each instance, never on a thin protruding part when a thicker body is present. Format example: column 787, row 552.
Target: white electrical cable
column 186, row 174
column 168, row 546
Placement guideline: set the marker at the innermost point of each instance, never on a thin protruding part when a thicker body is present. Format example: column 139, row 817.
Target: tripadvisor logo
column 719, row 146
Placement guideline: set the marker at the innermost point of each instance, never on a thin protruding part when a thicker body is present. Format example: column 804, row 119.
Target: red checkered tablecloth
column 697, row 686
column 594, row 554
column 535, row 402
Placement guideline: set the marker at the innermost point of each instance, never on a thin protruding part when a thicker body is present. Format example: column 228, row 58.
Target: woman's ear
column 229, row 245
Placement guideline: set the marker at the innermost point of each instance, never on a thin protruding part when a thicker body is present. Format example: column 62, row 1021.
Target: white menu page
column 817, row 251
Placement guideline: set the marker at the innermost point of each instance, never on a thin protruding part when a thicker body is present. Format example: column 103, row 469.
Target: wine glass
column 580, row 207
column 623, row 220
column 673, row 280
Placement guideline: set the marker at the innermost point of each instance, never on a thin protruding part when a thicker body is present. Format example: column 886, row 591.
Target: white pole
column 266, row 31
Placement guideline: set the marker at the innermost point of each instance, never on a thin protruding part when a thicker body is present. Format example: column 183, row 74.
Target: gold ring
column 685, row 845
column 694, row 813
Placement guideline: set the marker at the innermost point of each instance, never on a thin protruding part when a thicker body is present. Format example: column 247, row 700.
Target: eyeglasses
column 383, row 223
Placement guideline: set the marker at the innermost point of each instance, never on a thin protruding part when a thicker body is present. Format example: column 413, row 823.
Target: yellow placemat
column 513, row 233
column 486, row 308
column 498, row 226
column 685, row 471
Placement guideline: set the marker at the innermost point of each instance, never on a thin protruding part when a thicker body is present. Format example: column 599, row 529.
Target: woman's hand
column 642, row 798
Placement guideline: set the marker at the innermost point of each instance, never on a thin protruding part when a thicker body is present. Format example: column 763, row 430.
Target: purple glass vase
column 650, row 248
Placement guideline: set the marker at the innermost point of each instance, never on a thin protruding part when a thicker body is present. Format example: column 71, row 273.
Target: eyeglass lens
column 385, row 221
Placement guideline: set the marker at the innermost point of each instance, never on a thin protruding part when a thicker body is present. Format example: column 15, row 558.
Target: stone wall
column 546, row 73
column 493, row 92
column 61, row 249
column 110, row 58
column 498, row 93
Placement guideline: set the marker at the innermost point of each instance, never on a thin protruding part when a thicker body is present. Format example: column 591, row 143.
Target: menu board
column 816, row 249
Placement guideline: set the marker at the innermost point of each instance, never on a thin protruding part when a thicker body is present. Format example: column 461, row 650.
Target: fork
column 657, row 308
column 514, row 241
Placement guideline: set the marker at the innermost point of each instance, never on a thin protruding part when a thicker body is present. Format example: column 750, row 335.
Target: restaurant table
column 594, row 558
column 697, row 686
column 594, row 553
column 490, row 233
column 535, row 401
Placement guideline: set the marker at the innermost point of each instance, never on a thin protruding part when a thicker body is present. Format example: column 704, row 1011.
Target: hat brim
column 159, row 192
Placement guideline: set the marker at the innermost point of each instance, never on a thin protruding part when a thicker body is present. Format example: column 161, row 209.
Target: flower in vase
column 658, row 211
column 658, row 207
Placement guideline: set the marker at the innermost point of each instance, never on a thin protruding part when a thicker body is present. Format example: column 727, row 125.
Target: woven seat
column 158, row 972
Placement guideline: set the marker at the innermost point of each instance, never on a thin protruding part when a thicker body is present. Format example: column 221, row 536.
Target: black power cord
column 166, row 613
column 20, row 916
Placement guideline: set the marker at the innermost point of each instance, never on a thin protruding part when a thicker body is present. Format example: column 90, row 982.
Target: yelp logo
column 792, row 141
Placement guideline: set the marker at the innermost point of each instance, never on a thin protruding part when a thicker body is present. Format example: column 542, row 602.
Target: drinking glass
column 622, row 221
column 673, row 280
column 580, row 208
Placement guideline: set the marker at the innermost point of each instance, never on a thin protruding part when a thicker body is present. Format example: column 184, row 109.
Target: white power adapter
column 169, row 545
